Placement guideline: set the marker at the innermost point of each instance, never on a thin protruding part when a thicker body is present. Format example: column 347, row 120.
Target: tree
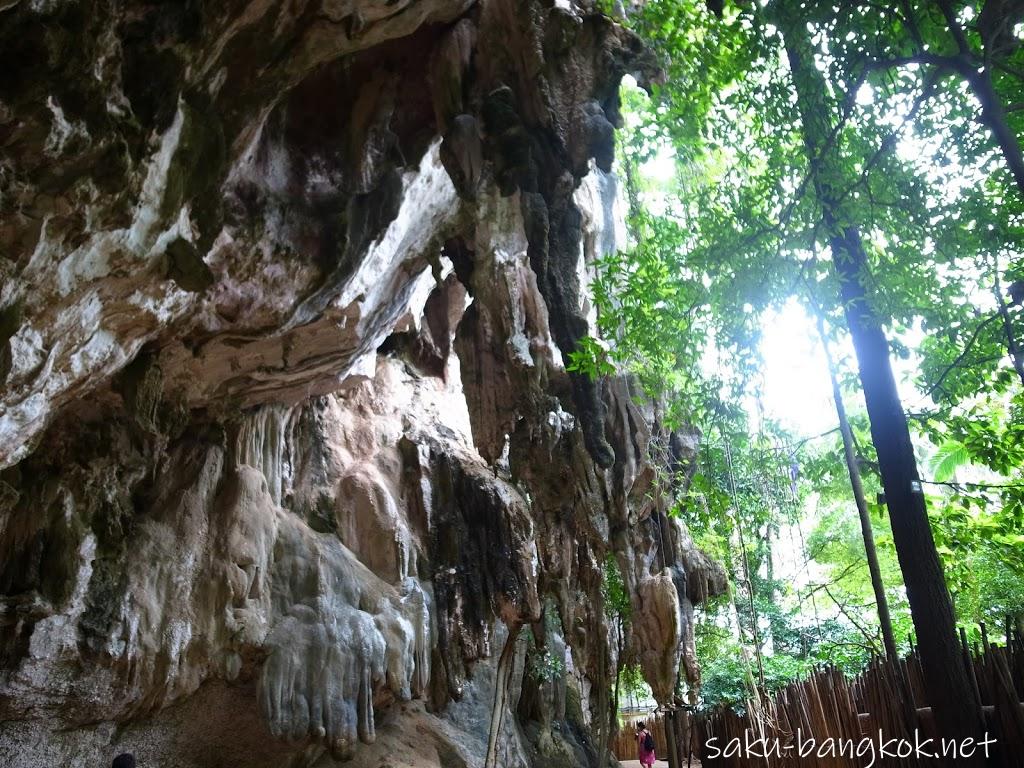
column 946, row 678
column 857, row 488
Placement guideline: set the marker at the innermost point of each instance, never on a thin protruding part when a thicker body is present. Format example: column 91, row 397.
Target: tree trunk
column 671, row 746
column 746, row 567
column 505, row 663
column 948, row 687
column 881, row 602
column 994, row 116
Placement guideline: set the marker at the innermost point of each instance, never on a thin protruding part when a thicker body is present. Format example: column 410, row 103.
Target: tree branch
column 849, row 617
column 1004, row 313
column 961, row 485
column 954, row 27
column 959, row 358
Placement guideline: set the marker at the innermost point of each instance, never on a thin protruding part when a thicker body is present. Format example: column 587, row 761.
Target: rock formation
column 288, row 445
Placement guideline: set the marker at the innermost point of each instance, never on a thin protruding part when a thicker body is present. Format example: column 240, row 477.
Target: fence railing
column 832, row 721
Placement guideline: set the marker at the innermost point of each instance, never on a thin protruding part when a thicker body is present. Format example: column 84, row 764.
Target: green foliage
column 723, row 678
column 632, row 683
column 947, row 459
column 591, row 358
column 613, row 589
column 651, row 310
column 736, row 231
column 545, row 666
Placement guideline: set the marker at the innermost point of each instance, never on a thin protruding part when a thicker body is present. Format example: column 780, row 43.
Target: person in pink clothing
column 645, row 745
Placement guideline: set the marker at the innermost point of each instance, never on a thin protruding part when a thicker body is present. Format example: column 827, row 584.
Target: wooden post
column 970, row 665
column 670, row 739
column 691, row 727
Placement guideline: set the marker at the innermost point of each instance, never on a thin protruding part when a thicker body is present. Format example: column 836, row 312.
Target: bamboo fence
column 885, row 702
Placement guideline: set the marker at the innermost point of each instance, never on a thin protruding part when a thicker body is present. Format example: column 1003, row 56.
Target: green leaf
column 949, row 457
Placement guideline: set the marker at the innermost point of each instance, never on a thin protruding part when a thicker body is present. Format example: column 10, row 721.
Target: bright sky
column 796, row 388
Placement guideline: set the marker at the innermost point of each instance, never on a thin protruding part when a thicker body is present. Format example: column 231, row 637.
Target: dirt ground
column 657, row 763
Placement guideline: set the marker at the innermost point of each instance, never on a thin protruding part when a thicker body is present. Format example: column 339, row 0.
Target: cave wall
column 288, row 448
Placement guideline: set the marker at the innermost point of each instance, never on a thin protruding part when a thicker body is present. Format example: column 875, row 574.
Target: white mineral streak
column 62, row 130
column 78, row 343
column 139, row 236
column 429, row 206
column 600, row 200
column 261, row 445
column 501, row 236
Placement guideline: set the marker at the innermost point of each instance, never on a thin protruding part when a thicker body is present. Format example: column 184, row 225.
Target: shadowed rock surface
column 286, row 437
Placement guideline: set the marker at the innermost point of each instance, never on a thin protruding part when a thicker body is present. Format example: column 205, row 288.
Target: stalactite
column 261, row 445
